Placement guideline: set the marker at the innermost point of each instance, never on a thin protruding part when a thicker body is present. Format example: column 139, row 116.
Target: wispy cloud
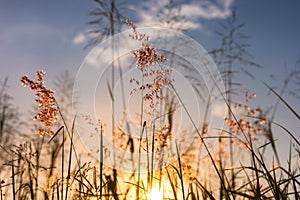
column 79, row 39
column 191, row 12
column 207, row 9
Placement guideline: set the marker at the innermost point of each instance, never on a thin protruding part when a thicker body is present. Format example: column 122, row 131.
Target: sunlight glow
column 156, row 194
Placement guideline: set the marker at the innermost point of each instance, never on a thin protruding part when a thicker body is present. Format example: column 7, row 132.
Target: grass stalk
column 204, row 143
column 282, row 100
column 37, row 160
column 257, row 189
column 180, row 170
column 57, row 189
column 70, row 159
column 13, row 180
column 101, row 161
column 1, row 195
column 148, row 162
column 62, row 164
column 29, row 170
column 172, row 185
column 139, row 161
column 152, row 155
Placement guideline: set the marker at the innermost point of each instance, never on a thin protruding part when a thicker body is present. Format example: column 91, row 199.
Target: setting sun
column 156, row 194
column 149, row 100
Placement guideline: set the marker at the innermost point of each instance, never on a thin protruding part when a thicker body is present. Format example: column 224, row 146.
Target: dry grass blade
column 55, row 134
column 180, row 170
column 204, row 190
column 101, row 161
column 223, row 185
column 172, row 184
column 110, row 91
column 70, row 157
column 139, row 160
column 282, row 127
column 282, row 100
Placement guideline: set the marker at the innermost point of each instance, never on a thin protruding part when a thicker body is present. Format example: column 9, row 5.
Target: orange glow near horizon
column 156, row 194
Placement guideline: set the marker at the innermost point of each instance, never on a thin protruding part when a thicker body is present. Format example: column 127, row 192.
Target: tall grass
column 50, row 166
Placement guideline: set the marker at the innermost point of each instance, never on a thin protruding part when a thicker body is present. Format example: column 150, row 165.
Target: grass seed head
column 48, row 110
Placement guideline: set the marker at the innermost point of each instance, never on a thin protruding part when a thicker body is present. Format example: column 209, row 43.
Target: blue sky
column 50, row 35
column 41, row 33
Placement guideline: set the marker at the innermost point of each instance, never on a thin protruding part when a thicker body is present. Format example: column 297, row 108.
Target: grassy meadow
column 42, row 157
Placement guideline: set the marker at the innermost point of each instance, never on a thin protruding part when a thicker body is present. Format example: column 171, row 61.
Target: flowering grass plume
column 146, row 57
column 250, row 121
column 48, row 110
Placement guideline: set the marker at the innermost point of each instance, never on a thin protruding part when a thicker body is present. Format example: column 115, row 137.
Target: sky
column 51, row 35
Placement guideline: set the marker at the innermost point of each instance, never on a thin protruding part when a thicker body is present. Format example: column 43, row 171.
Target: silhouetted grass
column 47, row 170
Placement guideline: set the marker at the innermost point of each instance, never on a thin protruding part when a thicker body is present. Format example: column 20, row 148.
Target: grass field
column 47, row 161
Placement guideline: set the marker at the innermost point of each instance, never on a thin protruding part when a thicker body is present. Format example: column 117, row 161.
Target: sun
column 156, row 194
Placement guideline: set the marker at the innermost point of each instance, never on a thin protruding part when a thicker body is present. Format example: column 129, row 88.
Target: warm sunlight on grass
column 155, row 194
column 145, row 141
